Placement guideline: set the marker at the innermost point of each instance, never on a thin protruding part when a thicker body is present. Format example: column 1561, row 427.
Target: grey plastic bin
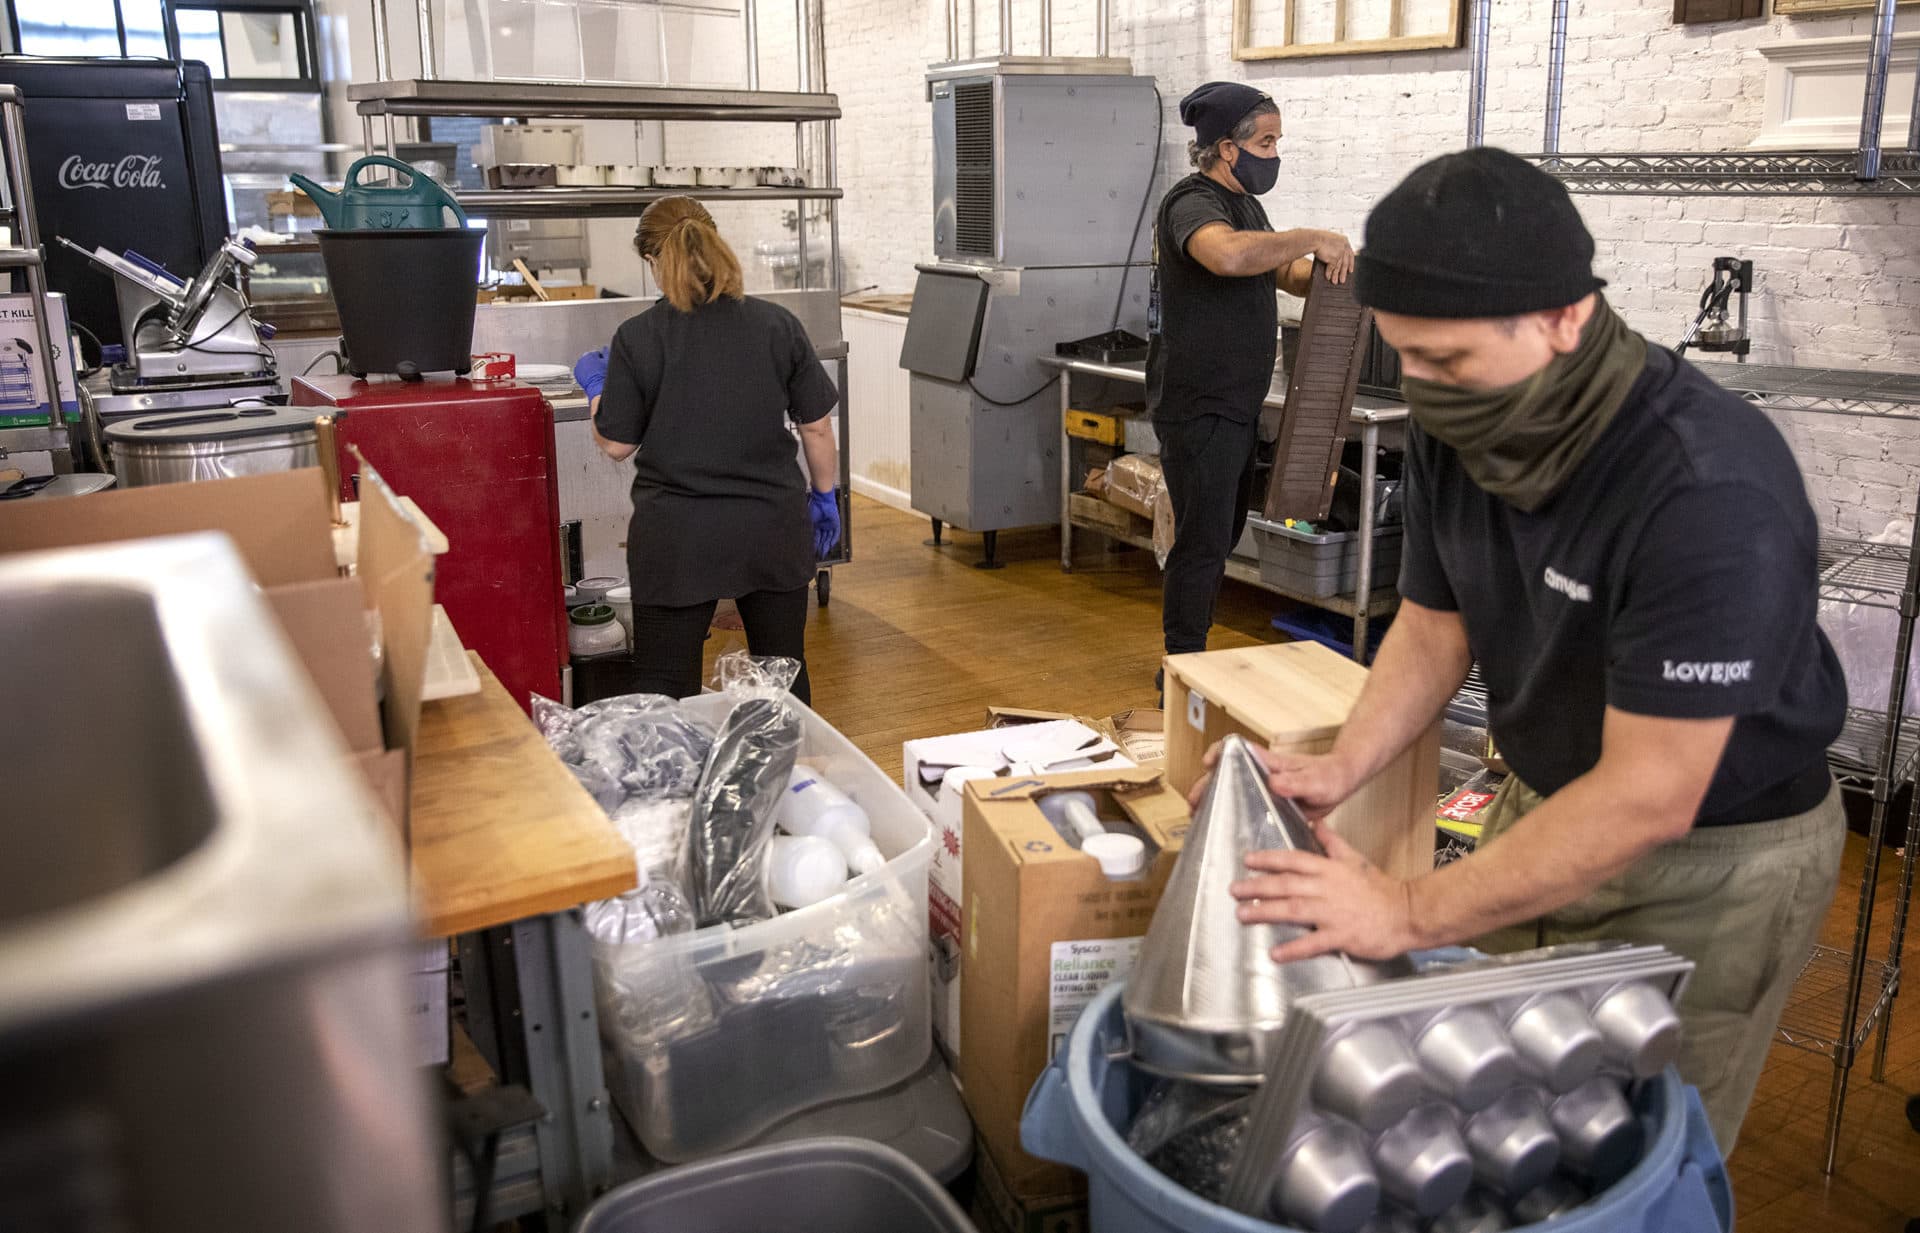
column 813, row 1186
column 1327, row 563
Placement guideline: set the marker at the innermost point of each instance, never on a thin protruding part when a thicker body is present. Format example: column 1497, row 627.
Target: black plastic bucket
column 406, row 298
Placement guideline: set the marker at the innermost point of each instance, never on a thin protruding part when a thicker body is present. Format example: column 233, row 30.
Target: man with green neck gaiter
column 1628, row 553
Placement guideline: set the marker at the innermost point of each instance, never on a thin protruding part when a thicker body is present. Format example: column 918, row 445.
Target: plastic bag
column 640, row 759
column 1192, row 1134
column 1864, row 637
column 745, row 776
column 1134, row 482
column 746, row 676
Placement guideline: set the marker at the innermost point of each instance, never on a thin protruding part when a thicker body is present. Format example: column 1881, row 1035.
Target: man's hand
column 1349, row 905
column 1334, row 249
column 1318, row 783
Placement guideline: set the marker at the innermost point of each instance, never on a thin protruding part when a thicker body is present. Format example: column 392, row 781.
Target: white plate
column 544, row 374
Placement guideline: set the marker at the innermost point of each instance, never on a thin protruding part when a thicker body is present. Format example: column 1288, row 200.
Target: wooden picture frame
column 1396, row 40
column 1819, row 8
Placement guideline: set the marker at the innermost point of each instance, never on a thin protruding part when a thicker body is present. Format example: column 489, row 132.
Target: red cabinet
column 478, row 459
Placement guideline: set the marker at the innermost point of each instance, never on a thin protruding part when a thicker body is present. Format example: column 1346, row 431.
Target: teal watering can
column 368, row 207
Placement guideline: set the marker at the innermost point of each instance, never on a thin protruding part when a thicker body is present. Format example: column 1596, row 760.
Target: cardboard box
column 281, row 526
column 1045, row 931
column 997, row 1209
column 1141, row 734
column 23, row 379
column 1042, row 740
column 1294, row 697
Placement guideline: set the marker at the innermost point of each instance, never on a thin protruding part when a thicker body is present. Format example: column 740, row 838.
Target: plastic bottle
column 1073, row 816
column 813, row 807
column 804, row 869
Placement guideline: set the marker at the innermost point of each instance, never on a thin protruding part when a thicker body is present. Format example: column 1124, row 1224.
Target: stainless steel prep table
column 1369, row 414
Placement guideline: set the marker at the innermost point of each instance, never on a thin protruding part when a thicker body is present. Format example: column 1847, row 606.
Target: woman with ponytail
column 699, row 390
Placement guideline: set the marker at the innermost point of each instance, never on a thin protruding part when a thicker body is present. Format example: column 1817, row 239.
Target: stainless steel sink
column 203, row 918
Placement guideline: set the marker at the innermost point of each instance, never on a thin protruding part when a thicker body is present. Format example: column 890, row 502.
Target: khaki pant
column 1745, row 903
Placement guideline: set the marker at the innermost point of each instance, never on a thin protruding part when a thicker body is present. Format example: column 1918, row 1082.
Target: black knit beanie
column 1480, row 233
column 1214, row 108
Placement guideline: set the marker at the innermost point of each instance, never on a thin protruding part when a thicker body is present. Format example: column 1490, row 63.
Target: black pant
column 1208, row 464
column 667, row 641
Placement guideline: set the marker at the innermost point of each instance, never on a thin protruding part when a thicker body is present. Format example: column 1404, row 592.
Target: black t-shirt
column 1212, row 339
column 1675, row 575
column 719, row 500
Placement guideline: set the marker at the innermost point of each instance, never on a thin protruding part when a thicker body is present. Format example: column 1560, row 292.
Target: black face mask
column 1257, row 175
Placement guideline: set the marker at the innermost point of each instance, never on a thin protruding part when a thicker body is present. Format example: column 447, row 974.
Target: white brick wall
column 1838, row 280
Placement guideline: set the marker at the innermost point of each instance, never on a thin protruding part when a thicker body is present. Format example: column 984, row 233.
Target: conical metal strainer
column 1205, row 1002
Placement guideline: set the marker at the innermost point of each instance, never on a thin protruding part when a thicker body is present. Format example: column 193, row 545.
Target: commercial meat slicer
column 190, row 345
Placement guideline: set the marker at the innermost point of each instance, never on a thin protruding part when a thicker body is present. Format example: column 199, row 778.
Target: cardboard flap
column 1010, row 809
column 396, row 575
column 385, row 771
column 1016, row 716
column 1130, row 780
column 279, row 521
column 318, row 618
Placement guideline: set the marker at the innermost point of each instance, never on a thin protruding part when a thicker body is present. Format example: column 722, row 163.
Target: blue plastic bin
column 1078, row 1112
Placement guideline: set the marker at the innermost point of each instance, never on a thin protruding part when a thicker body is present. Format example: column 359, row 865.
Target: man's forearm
column 1264, row 252
column 1421, row 663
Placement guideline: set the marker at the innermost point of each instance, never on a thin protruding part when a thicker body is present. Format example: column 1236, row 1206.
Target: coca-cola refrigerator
column 477, row 457
column 124, row 155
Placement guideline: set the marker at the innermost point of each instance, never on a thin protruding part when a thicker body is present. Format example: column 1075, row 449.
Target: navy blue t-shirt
column 1675, row 575
column 1212, row 338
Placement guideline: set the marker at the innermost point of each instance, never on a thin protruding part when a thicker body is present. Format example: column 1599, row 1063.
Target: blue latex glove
column 590, row 371
column 824, row 508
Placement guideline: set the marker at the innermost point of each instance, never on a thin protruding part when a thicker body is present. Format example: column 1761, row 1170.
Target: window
column 89, row 27
column 248, row 44
column 248, row 47
column 251, row 45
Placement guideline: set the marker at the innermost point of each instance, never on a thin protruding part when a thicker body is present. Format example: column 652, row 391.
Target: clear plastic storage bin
column 714, row 1036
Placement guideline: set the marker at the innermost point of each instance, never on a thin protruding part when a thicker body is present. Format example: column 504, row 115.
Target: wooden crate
column 1097, row 515
column 290, row 203
column 517, row 294
column 1295, row 696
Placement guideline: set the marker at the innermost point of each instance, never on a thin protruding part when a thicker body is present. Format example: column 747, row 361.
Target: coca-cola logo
column 133, row 171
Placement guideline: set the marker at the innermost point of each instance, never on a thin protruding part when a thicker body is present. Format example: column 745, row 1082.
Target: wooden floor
column 916, row 642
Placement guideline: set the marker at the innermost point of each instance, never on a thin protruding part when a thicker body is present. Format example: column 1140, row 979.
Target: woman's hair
column 1204, row 157
column 692, row 264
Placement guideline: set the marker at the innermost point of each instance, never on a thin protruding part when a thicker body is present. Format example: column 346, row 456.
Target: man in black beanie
column 1628, row 553
column 1213, row 327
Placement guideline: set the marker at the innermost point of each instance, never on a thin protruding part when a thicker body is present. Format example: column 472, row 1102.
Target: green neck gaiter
column 1520, row 442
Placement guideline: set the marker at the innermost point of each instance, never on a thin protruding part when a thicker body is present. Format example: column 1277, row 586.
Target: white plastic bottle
column 814, row 807
column 802, row 870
